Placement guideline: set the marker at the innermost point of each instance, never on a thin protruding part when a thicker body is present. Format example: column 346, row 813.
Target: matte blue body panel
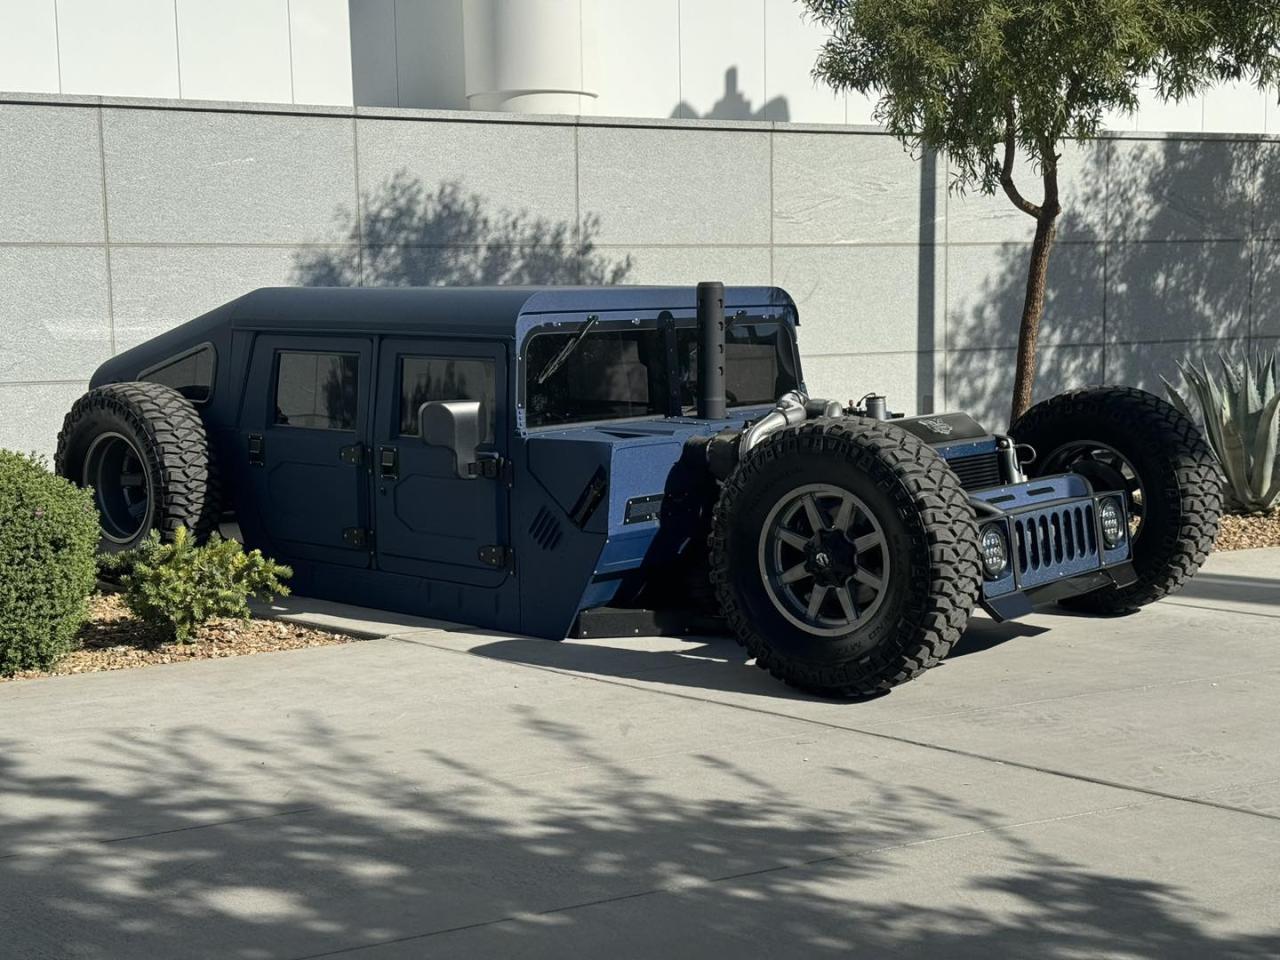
column 567, row 554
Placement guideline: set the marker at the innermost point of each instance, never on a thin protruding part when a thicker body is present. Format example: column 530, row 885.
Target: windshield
column 619, row 369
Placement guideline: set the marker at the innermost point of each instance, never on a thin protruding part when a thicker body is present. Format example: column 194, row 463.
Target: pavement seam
column 893, row 738
column 698, row 882
column 1238, row 613
column 63, row 848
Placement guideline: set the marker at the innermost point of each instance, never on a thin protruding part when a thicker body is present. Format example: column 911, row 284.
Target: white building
column 727, row 59
column 669, row 141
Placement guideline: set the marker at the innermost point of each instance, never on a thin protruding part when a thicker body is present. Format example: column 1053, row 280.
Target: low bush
column 48, row 537
column 179, row 585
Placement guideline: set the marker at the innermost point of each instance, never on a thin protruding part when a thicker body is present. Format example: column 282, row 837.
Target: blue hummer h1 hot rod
column 619, row 460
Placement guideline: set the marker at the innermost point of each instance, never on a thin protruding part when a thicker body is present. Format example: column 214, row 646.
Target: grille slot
column 977, row 471
column 545, row 529
column 1049, row 543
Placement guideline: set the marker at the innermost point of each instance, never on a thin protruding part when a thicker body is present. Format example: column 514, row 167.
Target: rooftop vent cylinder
column 711, row 404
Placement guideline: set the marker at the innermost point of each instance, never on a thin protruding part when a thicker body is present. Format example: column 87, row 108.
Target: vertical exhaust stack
column 711, row 402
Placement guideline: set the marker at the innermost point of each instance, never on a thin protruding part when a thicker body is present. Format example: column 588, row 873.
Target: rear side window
column 317, row 390
column 424, row 379
column 190, row 373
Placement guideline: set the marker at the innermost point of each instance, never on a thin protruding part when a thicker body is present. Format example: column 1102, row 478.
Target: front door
column 429, row 521
column 305, row 433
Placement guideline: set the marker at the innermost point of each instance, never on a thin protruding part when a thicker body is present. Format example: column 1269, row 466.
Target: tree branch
column 1006, row 171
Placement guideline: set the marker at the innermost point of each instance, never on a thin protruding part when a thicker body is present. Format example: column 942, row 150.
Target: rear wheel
column 142, row 449
column 844, row 555
column 1122, row 438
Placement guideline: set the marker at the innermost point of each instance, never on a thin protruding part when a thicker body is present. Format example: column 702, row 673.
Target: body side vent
column 545, row 529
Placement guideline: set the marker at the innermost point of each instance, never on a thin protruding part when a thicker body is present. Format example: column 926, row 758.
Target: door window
column 317, row 390
column 424, row 379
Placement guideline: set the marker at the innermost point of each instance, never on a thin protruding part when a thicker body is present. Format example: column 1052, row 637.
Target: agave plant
column 1241, row 416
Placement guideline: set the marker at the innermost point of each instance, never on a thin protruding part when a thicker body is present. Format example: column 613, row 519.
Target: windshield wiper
column 558, row 360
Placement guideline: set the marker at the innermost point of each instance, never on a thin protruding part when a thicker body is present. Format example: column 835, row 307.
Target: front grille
column 977, row 471
column 1054, row 542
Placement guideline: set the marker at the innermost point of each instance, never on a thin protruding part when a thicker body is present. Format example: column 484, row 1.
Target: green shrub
column 48, row 537
column 178, row 586
column 1241, row 417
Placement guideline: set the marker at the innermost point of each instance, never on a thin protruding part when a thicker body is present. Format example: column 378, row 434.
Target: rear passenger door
column 305, row 433
column 428, row 521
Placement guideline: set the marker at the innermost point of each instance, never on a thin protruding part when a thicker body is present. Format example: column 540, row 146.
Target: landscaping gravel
column 1245, row 533
column 111, row 639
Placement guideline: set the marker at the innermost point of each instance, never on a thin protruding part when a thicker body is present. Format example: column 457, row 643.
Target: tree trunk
column 1033, row 310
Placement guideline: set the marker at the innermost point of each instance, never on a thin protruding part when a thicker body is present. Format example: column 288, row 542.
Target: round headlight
column 1112, row 519
column 995, row 554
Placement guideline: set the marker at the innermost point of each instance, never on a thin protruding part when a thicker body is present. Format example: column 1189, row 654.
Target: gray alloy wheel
column 823, row 559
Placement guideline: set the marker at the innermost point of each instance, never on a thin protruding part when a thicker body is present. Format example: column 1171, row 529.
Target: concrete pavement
column 1063, row 787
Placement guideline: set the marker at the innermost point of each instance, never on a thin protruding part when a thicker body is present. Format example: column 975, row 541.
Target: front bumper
column 1055, row 544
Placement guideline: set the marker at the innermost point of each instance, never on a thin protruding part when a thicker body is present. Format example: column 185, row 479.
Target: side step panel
column 601, row 622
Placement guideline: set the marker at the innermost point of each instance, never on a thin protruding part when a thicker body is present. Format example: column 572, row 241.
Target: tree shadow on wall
column 1179, row 274
column 309, row 839
column 408, row 235
column 734, row 105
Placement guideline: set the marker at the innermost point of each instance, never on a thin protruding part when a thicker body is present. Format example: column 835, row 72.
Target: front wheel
column 1121, row 438
column 844, row 555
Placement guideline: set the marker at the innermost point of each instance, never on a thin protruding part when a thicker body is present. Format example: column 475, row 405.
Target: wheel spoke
column 813, row 513
column 845, row 514
column 798, row 572
column 130, row 479
column 868, row 541
column 870, row 579
column 136, row 510
column 793, row 539
column 846, row 603
column 815, row 600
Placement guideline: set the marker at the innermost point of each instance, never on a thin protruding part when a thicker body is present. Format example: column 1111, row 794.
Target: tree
column 985, row 79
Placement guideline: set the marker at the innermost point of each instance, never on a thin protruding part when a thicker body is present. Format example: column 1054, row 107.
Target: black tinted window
column 609, row 375
column 618, row 373
column 190, row 374
column 317, row 390
column 424, row 379
column 759, row 364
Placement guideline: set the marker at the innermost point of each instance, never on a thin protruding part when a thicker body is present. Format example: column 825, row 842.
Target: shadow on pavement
column 710, row 663
column 1227, row 588
column 312, row 839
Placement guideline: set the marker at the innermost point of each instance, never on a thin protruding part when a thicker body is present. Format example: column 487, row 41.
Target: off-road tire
column 929, row 525
column 165, row 428
column 1181, row 482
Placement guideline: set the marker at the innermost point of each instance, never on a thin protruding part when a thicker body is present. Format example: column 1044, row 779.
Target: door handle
column 388, row 463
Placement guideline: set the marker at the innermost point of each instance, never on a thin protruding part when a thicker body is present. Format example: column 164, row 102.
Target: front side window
column 317, row 390
column 637, row 371
column 424, row 379
column 191, row 373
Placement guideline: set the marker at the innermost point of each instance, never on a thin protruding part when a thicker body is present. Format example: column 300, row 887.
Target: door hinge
column 257, row 450
column 357, row 537
column 353, row 454
column 495, row 555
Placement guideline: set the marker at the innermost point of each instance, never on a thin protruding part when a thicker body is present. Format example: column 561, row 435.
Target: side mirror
column 454, row 425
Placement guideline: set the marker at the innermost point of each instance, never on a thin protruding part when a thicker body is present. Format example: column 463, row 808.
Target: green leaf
column 1266, row 468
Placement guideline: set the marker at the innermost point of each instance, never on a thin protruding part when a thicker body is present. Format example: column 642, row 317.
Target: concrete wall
column 119, row 219
column 277, row 51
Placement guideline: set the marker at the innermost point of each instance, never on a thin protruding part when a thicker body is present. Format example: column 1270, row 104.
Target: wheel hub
column 832, row 558
column 823, row 559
